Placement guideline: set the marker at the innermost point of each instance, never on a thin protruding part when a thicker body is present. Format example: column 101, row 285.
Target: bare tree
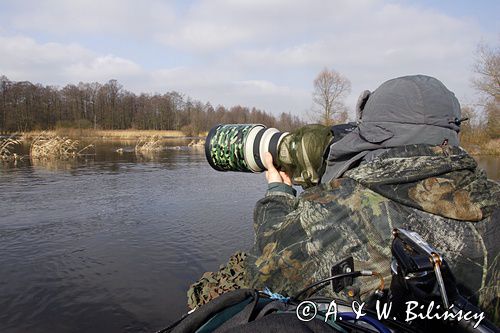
column 488, row 83
column 330, row 89
column 4, row 88
column 488, row 68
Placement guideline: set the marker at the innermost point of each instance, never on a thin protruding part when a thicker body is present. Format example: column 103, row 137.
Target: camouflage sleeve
column 281, row 187
column 273, row 208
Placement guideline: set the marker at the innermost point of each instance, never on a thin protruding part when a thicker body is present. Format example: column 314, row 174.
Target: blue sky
column 262, row 53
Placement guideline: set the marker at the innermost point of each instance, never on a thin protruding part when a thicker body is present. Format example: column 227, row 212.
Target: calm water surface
column 111, row 243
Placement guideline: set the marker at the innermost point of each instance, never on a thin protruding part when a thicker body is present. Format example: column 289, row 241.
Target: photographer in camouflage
column 400, row 167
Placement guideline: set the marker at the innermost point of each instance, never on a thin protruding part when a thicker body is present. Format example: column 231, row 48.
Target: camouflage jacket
column 436, row 191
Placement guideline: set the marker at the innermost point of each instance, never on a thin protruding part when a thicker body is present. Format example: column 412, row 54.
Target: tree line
column 26, row 106
column 487, row 83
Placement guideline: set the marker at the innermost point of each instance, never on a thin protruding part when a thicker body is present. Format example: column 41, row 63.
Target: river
column 111, row 243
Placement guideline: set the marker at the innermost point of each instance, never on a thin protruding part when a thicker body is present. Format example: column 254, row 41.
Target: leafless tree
column 488, row 67
column 4, row 88
column 487, row 82
column 330, row 89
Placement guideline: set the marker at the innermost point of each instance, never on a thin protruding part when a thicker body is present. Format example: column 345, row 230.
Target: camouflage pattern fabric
column 301, row 154
column 441, row 180
column 436, row 191
column 228, row 277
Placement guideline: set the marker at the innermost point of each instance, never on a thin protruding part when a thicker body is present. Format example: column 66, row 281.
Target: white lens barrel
column 250, row 159
column 259, row 141
column 264, row 143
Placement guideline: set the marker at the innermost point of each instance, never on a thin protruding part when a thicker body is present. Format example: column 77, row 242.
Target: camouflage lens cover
column 225, row 147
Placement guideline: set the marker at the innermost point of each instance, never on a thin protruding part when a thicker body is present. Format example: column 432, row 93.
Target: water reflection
column 146, row 156
column 54, row 164
column 491, row 164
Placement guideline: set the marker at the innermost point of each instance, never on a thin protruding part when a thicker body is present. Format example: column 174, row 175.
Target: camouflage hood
column 441, row 180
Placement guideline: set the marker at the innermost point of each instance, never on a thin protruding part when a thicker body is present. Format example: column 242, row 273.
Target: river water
column 111, row 243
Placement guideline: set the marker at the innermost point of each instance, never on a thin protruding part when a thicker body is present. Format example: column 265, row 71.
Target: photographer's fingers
column 272, row 175
column 286, row 178
column 268, row 158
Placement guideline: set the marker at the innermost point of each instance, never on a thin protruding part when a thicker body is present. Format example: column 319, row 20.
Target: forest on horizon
column 26, row 106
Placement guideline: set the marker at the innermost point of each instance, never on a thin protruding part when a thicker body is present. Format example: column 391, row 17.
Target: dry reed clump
column 149, row 144
column 7, row 148
column 492, row 147
column 50, row 146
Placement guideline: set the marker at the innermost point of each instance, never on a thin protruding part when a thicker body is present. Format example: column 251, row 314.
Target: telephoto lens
column 241, row 147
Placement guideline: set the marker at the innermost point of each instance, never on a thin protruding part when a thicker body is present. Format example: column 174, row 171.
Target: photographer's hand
column 273, row 175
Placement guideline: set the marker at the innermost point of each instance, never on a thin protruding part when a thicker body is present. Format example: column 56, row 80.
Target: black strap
column 273, row 146
column 256, row 149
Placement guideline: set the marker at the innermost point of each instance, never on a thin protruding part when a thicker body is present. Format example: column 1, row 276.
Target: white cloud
column 103, row 68
column 381, row 42
column 205, row 36
column 210, row 25
column 262, row 53
column 124, row 17
column 270, row 96
column 383, row 32
column 22, row 58
column 224, row 87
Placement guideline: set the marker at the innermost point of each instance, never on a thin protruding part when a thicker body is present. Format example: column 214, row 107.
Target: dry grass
column 197, row 144
column 492, row 147
column 7, row 148
column 52, row 146
column 106, row 134
column 28, row 136
column 203, row 134
column 477, row 142
column 135, row 134
column 149, row 144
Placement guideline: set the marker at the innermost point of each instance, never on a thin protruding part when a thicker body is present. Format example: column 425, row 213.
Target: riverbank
column 491, row 147
column 470, row 144
column 129, row 134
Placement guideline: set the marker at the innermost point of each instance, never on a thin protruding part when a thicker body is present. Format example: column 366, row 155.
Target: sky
column 255, row 53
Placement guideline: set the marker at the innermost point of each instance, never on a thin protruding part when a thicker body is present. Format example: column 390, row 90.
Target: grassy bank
column 130, row 134
column 490, row 147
